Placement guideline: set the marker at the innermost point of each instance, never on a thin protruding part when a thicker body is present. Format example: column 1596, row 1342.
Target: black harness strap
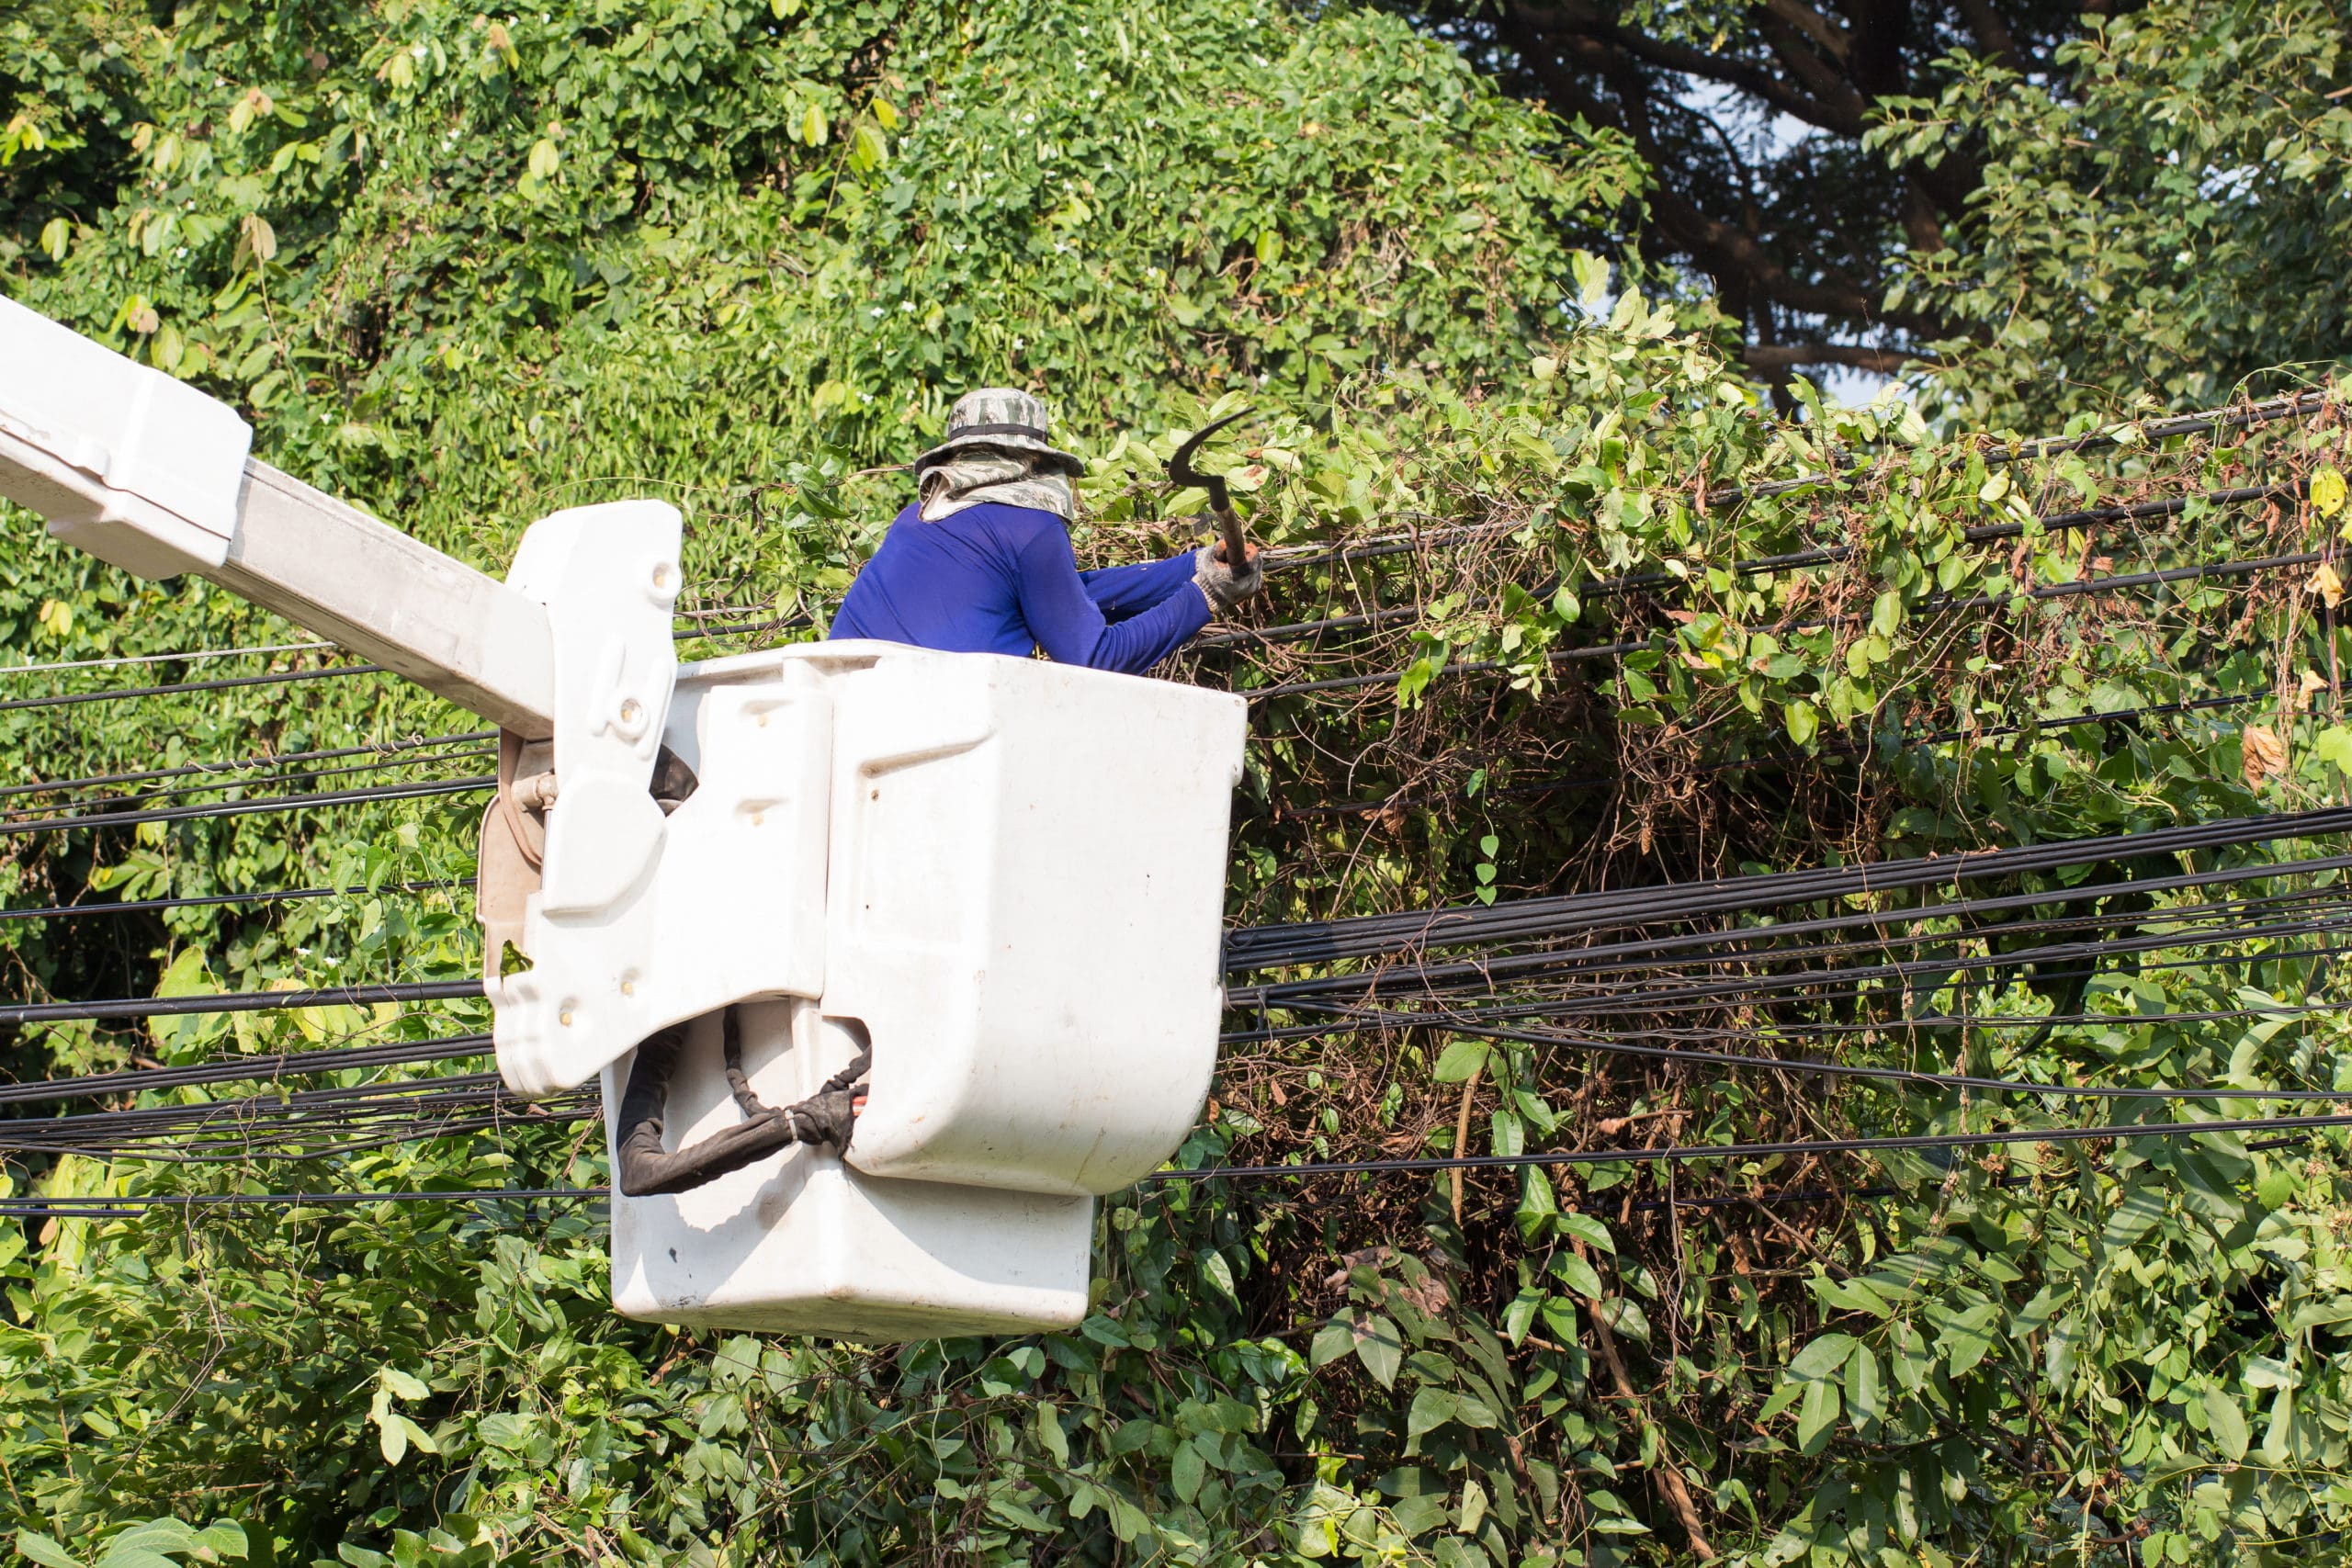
column 647, row 1169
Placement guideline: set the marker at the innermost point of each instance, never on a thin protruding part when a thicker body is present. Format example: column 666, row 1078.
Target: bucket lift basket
column 1000, row 878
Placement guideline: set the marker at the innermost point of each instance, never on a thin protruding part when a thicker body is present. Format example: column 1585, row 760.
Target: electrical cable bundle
column 297, row 1124
column 1643, row 972
column 1368, row 936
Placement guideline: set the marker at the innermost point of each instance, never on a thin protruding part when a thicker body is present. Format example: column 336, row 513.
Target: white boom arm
column 148, row 473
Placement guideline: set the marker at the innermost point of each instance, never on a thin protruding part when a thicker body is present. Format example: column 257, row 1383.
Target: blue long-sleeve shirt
column 994, row 578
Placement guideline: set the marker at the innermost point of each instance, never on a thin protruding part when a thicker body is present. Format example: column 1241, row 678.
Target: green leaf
column 398, row 1432
column 1519, row 1315
column 1625, row 1315
column 1474, row 1514
column 1536, row 1201
column 1472, row 1411
column 1186, row 1470
column 2314, row 1314
column 505, row 1431
column 1823, row 1357
column 1802, row 720
column 869, row 150
column 1589, row 1230
column 403, row 1386
column 34, row 1546
column 1886, row 614
column 1333, row 1340
column 120, row 1556
column 1459, row 1059
column 1577, row 1275
column 1431, row 1409
column 1864, row 1398
column 2227, row 1423
column 1050, row 1434
column 1816, row 1414
column 225, row 1537
column 1380, row 1347
column 165, row 1535
column 2327, row 490
column 1219, row 1274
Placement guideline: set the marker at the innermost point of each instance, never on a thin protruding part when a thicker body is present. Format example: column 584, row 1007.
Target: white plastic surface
column 609, row 576
column 799, row 1242
column 126, row 462
column 1008, row 875
column 1027, row 899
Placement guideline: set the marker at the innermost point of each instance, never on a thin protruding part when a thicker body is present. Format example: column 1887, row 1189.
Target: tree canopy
column 1565, row 616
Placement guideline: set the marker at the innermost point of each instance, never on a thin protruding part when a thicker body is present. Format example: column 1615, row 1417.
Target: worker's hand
column 1225, row 585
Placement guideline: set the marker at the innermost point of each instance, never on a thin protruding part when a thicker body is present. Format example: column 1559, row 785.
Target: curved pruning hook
column 1181, row 469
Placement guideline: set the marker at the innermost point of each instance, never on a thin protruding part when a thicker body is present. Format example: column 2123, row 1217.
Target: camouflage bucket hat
column 1002, row 419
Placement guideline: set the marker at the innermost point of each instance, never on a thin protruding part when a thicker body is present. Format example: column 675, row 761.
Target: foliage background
column 465, row 268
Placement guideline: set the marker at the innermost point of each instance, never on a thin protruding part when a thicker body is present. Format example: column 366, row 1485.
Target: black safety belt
column 827, row 1117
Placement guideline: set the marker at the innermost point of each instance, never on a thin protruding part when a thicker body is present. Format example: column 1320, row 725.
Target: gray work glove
column 1225, row 585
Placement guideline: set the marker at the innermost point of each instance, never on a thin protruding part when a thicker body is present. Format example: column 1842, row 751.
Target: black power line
column 208, row 900
column 1790, row 759
column 240, row 1002
column 2053, row 591
column 1260, row 948
column 1681, row 1153
column 1827, row 555
column 2127, row 432
column 244, row 1069
column 1323, row 941
column 122, row 1207
column 379, row 749
column 1457, row 1023
column 256, row 807
column 59, row 809
column 121, row 694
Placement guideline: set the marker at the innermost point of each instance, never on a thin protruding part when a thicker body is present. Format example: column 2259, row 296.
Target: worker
column 981, row 562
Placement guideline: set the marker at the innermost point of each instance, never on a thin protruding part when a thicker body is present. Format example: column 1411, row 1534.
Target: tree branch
column 1664, row 1473
column 1775, row 358
column 1993, row 35
column 1823, row 31
column 1844, row 109
column 1592, row 36
column 1718, row 247
column 1921, row 226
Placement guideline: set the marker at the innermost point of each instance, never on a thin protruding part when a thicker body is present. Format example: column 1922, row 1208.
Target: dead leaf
column 2311, row 685
column 2327, row 585
column 2263, row 753
column 1428, row 1294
